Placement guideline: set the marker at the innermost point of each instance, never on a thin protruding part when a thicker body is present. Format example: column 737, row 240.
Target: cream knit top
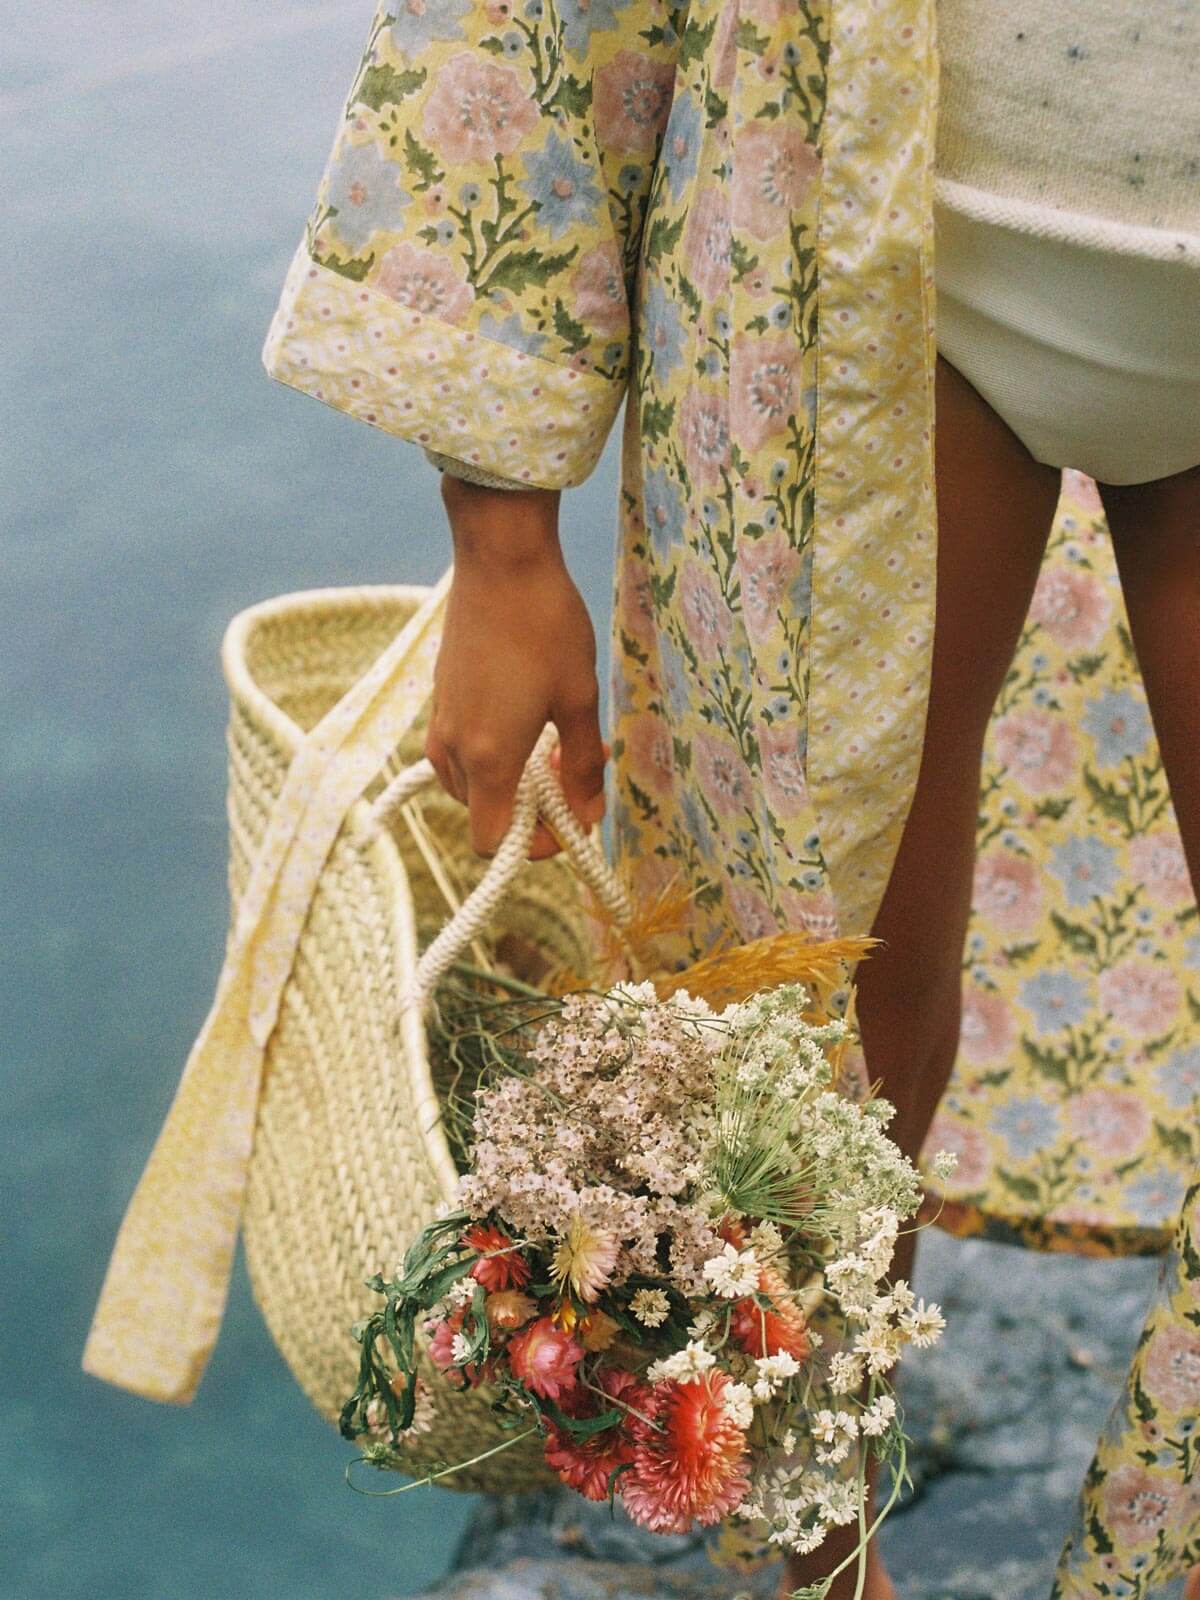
column 1073, row 119
column 1076, row 119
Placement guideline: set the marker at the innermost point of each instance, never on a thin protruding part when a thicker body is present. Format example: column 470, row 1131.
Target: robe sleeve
column 467, row 271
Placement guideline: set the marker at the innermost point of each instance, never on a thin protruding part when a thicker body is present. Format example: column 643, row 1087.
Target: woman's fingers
column 580, row 758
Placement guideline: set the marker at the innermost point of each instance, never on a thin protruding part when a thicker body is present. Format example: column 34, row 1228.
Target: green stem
column 432, row 1477
column 513, row 985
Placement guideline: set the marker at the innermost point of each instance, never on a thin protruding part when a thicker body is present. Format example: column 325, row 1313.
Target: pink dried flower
column 544, row 1358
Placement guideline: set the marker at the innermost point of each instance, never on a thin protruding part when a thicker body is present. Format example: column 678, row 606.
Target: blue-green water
column 159, row 165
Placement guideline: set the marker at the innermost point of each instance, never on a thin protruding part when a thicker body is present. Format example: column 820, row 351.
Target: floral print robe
column 719, row 211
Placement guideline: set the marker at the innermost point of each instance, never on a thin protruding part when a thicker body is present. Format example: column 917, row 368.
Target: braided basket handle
column 539, row 794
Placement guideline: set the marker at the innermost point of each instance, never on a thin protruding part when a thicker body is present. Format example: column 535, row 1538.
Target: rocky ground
column 1003, row 1416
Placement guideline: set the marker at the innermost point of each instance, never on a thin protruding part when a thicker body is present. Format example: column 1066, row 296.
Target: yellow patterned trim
column 874, row 561
column 499, row 408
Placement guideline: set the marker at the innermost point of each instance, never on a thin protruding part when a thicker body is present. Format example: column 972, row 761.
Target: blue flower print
column 664, row 511
column 681, row 142
column 563, row 185
column 1155, row 1196
column 695, row 822
column 676, row 679
column 1057, row 999
column 1026, row 1125
column 1119, row 724
column 364, row 189
column 414, row 28
column 1085, row 867
column 662, row 331
column 512, row 331
column 582, row 18
column 1178, row 1077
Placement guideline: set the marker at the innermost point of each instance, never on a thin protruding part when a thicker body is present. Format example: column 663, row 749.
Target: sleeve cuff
column 535, row 423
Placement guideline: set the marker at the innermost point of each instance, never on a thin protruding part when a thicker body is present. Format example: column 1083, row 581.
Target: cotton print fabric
column 721, row 214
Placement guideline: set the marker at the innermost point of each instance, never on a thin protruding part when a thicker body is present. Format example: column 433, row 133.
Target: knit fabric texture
column 1078, row 119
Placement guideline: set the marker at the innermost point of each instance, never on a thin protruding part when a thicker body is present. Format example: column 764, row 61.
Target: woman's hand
column 518, row 650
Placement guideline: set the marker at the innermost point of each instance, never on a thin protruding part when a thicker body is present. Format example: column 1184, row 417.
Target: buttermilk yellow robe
column 720, row 214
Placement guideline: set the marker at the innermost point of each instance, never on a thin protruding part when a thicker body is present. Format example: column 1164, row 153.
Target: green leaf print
column 1023, row 1188
column 747, row 37
column 1048, row 1062
column 572, row 333
column 1075, row 935
column 657, row 418
column 523, row 267
column 696, row 40
column 422, row 162
column 1111, row 800
column 664, row 237
column 574, row 97
column 382, row 85
column 354, row 267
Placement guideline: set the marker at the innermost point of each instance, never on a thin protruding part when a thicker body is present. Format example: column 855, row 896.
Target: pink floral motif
column 427, row 281
column 1137, row 1504
column 1142, row 996
column 1037, row 748
column 1171, row 1372
column 704, row 433
column 1111, row 1122
column 598, row 282
column 707, row 238
column 763, row 377
column 949, row 1132
column 1007, row 890
column 812, row 910
column 767, row 567
column 988, row 1030
column 709, row 623
column 1083, row 490
column 724, row 49
column 1072, row 605
column 649, row 753
column 774, row 167
column 753, row 915
column 477, row 109
column 722, row 774
column 635, row 605
column 1160, row 866
column 631, row 98
column 783, row 767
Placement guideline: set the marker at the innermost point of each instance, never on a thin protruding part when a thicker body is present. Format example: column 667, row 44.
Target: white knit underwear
column 1091, row 356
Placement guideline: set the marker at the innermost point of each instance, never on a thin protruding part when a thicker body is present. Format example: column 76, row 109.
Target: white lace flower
column 733, row 1273
column 878, row 1416
column 944, row 1164
column 738, row 1403
column 690, row 1362
column 651, row 1307
column 460, row 1349
column 845, row 1372
column 923, row 1325
column 836, row 1504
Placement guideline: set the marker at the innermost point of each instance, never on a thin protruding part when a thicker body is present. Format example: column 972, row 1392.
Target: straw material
column 349, row 1159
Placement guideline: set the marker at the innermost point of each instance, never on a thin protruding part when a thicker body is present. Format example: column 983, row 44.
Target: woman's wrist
column 501, row 530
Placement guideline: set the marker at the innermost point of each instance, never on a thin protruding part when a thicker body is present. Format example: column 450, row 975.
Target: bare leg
column 995, row 509
column 1155, row 530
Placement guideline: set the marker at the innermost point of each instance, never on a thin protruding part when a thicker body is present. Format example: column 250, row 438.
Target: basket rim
column 299, row 602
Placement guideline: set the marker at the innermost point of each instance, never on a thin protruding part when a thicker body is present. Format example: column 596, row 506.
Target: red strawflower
column 441, row 1351
column 543, row 1357
column 766, row 1330
column 694, row 1465
column 586, row 1464
column 500, row 1264
column 769, row 1330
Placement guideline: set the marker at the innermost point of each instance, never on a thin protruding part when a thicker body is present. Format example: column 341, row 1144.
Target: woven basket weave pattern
column 344, row 1173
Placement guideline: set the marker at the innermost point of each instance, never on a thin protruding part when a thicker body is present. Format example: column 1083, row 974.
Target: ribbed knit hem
column 1073, row 227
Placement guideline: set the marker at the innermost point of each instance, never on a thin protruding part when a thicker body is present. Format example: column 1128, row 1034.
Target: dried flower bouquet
column 669, row 1259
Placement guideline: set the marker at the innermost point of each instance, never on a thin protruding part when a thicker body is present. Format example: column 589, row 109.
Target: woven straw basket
column 350, row 1159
